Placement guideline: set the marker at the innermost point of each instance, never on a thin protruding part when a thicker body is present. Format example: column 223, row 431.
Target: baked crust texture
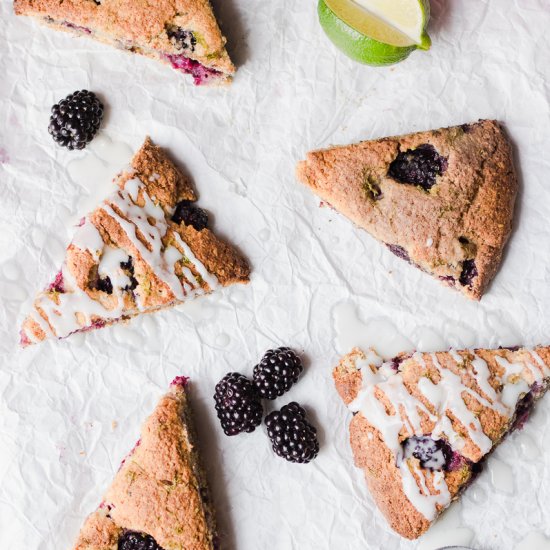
column 160, row 488
column 465, row 216
column 470, row 399
column 128, row 257
column 140, row 26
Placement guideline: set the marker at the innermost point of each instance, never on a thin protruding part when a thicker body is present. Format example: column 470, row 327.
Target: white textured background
column 293, row 92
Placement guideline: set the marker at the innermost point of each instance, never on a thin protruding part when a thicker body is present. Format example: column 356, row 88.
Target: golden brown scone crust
column 167, row 185
column 371, row 453
column 466, row 215
column 160, row 488
column 162, row 178
column 99, row 532
column 140, row 25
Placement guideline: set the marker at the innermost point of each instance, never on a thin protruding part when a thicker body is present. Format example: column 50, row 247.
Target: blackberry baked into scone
column 144, row 248
column 424, row 422
column 159, row 498
column 181, row 33
column 442, row 200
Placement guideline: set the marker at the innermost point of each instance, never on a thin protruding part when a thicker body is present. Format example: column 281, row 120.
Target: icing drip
column 390, row 426
column 109, row 266
column 446, row 399
column 453, row 388
column 87, row 237
column 145, row 226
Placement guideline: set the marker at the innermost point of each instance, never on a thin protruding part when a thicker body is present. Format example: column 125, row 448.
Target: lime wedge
column 357, row 46
column 398, row 23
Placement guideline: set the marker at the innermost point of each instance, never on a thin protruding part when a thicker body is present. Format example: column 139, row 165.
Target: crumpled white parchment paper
column 69, row 411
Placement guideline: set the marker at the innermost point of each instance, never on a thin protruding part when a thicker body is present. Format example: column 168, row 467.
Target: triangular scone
column 424, row 422
column 129, row 257
column 442, row 200
column 181, row 33
column 160, row 490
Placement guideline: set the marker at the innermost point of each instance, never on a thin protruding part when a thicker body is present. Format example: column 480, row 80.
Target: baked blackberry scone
column 144, row 248
column 159, row 498
column 442, row 200
column 424, row 422
column 181, row 33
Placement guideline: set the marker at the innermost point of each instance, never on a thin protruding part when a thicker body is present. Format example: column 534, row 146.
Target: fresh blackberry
column 292, row 436
column 76, row 119
column 237, row 404
column 132, row 540
column 189, row 214
column 276, row 372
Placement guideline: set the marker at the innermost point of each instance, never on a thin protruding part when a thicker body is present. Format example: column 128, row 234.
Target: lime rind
column 425, row 42
column 367, row 23
column 356, row 45
column 386, row 23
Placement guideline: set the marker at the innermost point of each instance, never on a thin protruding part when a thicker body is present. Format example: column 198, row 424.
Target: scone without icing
column 129, row 257
column 423, row 423
column 181, row 33
column 442, row 200
column 160, row 490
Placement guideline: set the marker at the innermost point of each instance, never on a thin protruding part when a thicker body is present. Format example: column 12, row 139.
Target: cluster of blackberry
column 239, row 407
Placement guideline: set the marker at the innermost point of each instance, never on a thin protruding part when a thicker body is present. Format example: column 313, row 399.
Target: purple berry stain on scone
column 181, row 38
column 418, row 166
column 132, row 540
column 510, row 348
column 77, row 28
column 523, row 411
column 399, row 251
column 398, row 359
column 57, row 285
column 180, row 381
column 201, row 74
column 469, row 272
column 189, row 214
column 24, row 340
column 292, row 436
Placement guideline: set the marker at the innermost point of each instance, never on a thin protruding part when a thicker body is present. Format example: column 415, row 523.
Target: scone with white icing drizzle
column 159, row 498
column 424, row 422
column 442, row 200
column 144, row 248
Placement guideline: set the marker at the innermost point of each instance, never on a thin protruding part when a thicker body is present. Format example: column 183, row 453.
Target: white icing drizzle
column 87, row 237
column 109, row 266
column 391, row 384
column 453, row 388
column 420, row 496
column 209, row 278
column 446, row 397
column 75, row 310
